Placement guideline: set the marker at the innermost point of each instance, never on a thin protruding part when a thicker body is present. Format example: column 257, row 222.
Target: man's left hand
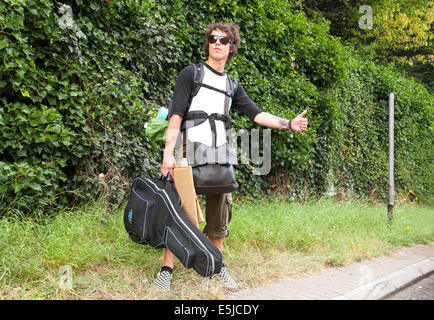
column 299, row 123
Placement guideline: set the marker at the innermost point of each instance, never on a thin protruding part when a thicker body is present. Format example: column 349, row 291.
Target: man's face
column 217, row 50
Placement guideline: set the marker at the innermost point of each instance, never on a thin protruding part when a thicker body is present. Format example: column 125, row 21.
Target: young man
column 222, row 43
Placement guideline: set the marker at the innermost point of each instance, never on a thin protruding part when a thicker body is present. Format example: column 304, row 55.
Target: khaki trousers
column 218, row 215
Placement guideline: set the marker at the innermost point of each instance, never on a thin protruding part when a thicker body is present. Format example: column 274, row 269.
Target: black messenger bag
column 214, row 178
column 154, row 216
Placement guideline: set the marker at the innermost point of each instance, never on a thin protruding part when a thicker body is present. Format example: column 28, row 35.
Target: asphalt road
column 421, row 290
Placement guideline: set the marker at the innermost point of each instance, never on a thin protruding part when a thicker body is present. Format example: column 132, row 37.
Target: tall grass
column 268, row 239
column 334, row 232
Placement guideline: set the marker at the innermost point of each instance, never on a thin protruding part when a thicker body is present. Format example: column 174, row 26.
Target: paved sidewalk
column 372, row 279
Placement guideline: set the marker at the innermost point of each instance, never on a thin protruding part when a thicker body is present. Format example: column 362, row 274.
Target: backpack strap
column 195, row 118
column 231, row 87
column 197, row 79
column 198, row 82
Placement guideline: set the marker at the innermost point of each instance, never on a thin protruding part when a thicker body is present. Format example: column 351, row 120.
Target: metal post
column 391, row 158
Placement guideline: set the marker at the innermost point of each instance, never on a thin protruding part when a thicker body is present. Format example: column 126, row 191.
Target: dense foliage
column 78, row 79
column 399, row 31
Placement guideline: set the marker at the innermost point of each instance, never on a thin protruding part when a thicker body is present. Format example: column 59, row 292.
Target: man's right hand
column 172, row 132
column 169, row 163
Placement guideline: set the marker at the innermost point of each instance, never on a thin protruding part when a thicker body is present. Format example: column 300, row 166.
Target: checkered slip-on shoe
column 163, row 280
column 226, row 278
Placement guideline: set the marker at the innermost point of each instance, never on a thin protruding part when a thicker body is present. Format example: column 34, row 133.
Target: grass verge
column 269, row 239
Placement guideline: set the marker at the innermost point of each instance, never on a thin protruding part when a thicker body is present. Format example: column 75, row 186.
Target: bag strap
column 197, row 79
column 198, row 82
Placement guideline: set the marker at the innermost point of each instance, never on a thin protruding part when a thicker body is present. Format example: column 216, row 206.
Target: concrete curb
column 385, row 286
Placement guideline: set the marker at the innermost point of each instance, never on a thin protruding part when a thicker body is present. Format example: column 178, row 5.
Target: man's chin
column 220, row 57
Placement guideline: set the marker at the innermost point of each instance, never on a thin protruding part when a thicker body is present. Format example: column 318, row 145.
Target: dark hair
column 231, row 29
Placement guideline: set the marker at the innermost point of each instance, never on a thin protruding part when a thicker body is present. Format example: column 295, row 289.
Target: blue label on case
column 130, row 216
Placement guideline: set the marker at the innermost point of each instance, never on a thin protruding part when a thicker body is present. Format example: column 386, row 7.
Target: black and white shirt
column 209, row 101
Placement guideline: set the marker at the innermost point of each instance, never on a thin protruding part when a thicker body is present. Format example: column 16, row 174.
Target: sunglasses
column 224, row 40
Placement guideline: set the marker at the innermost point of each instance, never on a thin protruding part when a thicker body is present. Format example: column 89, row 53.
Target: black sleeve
column 182, row 92
column 242, row 102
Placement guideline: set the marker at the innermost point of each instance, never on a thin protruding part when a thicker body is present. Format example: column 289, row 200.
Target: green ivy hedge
column 78, row 82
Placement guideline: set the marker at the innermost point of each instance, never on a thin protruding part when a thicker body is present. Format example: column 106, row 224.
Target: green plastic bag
column 156, row 129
